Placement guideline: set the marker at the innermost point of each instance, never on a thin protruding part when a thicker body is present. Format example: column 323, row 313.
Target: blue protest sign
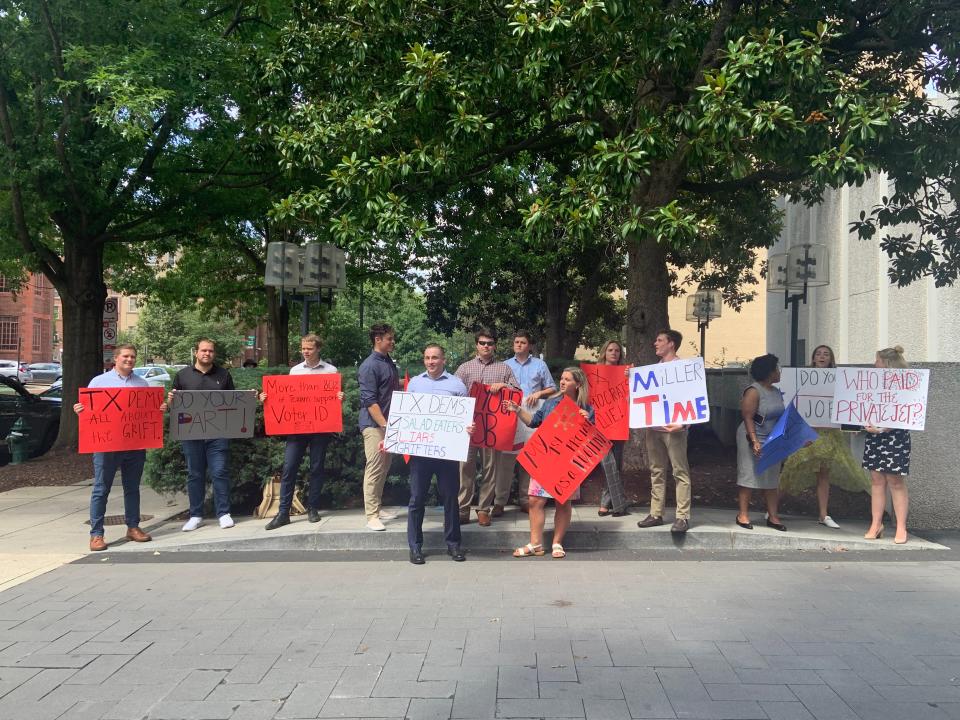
column 789, row 435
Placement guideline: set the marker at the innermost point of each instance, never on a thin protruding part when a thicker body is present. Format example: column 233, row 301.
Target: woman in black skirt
column 886, row 455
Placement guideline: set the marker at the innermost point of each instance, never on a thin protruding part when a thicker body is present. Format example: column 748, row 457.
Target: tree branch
column 775, row 175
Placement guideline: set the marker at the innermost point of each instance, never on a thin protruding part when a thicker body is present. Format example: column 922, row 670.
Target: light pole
column 305, row 271
column 702, row 307
column 792, row 273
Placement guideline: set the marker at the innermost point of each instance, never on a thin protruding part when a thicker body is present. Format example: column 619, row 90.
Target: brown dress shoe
column 97, row 543
column 483, row 519
column 498, row 510
column 138, row 535
column 650, row 521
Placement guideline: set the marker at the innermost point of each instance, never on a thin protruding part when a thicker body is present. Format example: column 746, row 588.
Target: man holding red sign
column 128, row 462
column 297, row 445
column 485, row 370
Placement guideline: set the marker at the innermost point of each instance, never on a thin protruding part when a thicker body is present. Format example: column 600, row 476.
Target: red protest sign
column 495, row 426
column 563, row 451
column 301, row 404
column 610, row 397
column 120, row 419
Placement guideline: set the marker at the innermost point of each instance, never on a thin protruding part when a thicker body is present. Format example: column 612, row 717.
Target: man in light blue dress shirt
column 536, row 382
column 435, row 381
column 128, row 462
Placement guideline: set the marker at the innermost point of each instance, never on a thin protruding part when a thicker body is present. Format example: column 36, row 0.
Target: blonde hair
column 892, row 357
column 602, row 360
column 583, row 389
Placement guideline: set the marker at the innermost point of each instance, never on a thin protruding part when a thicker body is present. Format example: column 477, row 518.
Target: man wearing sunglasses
column 485, row 369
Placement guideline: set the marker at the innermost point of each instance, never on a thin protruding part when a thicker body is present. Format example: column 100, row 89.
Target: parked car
column 46, row 372
column 40, row 414
column 154, row 375
column 20, row 371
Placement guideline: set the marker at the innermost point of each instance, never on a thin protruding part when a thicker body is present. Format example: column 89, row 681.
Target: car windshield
column 141, row 371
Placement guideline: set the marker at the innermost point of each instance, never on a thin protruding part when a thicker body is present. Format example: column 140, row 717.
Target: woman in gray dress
column 761, row 405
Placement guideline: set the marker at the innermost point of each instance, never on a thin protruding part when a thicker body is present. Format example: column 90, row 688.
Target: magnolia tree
column 682, row 121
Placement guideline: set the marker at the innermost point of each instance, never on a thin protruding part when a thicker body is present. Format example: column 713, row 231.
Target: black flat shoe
column 746, row 525
column 279, row 520
column 456, row 553
column 313, row 515
column 603, row 512
column 776, row 526
column 416, row 557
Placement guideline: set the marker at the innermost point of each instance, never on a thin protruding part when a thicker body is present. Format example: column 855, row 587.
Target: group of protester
column 827, row 460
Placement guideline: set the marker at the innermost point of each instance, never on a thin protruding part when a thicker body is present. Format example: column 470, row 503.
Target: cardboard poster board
column 882, row 397
column 212, row 414
column 427, row 425
column 120, row 419
column 810, row 391
column 563, row 451
column 669, row 393
column 301, row 404
column 495, row 425
column 610, row 397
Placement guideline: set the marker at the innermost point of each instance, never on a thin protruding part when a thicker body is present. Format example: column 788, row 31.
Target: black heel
column 746, row 525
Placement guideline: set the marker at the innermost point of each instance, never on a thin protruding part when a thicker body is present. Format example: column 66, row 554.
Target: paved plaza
column 247, row 636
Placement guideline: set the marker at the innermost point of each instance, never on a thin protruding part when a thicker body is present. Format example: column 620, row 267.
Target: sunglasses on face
column 487, row 343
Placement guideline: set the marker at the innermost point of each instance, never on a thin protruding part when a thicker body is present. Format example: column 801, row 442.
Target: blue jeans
column 297, row 445
column 201, row 456
column 105, row 466
column 448, row 484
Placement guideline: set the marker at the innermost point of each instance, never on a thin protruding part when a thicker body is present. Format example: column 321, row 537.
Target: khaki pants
column 495, row 479
column 663, row 447
column 375, row 472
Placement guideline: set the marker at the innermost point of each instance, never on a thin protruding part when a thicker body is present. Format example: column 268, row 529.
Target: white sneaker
column 829, row 522
column 375, row 524
column 226, row 521
column 192, row 524
column 387, row 515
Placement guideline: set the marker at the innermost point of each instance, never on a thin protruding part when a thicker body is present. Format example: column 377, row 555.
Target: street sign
column 109, row 333
column 251, row 341
column 111, row 309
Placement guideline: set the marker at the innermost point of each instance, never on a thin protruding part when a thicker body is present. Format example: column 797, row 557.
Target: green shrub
column 254, row 460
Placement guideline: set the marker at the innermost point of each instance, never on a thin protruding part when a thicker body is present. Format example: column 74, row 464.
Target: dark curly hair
column 762, row 367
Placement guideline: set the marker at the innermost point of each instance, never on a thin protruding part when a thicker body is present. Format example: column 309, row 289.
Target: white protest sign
column 668, row 393
column 882, row 397
column 811, row 392
column 426, row 425
column 212, row 414
column 524, row 432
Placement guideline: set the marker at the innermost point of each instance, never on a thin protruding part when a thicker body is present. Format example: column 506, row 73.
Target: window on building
column 3, row 284
column 9, row 332
column 38, row 283
column 132, row 305
column 37, row 335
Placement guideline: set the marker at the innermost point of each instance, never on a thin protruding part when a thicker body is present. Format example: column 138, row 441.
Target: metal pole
column 794, row 328
column 305, row 317
column 703, row 341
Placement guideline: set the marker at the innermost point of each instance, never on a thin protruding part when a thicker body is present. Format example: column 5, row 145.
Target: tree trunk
column 82, row 294
column 648, row 288
column 557, row 308
column 278, row 352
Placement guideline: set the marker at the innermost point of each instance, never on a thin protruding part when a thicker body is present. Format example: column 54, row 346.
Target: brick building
column 28, row 321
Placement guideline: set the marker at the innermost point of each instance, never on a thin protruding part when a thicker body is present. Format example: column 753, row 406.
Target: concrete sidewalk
column 42, row 528
column 712, row 529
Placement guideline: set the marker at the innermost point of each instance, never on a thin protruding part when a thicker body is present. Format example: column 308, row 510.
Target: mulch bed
column 60, row 466
column 713, row 470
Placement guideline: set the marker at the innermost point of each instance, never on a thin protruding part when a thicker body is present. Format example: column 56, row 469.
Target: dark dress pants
column 448, row 483
column 297, row 446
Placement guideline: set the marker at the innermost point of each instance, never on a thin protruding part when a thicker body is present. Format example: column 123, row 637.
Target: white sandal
column 558, row 551
column 529, row 550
